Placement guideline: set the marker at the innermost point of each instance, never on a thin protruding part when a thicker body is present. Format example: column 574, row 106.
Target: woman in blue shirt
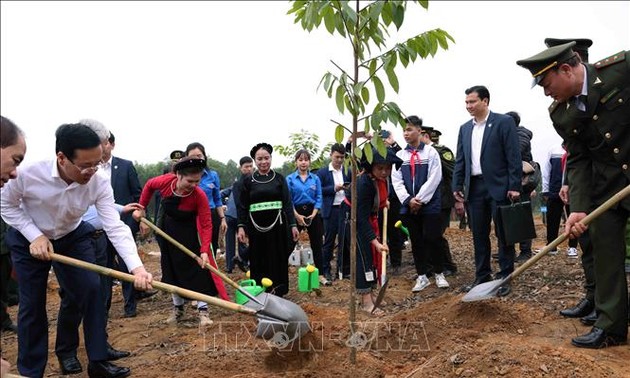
column 306, row 192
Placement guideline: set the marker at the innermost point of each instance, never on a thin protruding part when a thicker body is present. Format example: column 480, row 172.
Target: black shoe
column 104, row 369
column 583, row 308
column 478, row 281
column 140, row 295
column 113, row 354
column 130, row 314
column 523, row 257
column 504, row 290
column 448, row 272
column 241, row 265
column 589, row 319
column 396, row 271
column 70, row 365
column 9, row 327
column 495, row 256
column 598, row 338
column 329, row 277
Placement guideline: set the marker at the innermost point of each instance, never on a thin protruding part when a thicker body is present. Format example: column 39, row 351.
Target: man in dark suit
column 487, row 174
column 591, row 112
column 127, row 189
column 334, row 183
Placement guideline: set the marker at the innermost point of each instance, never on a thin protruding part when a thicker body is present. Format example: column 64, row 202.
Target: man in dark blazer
column 127, row 189
column 334, row 182
column 487, row 174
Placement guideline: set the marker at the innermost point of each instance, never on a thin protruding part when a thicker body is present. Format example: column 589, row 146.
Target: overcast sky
column 160, row 75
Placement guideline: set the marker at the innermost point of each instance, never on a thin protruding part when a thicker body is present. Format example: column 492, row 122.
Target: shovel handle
column 588, row 219
column 383, row 253
column 156, row 284
column 190, row 253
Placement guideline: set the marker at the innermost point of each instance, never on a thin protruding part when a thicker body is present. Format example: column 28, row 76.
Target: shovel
column 280, row 315
column 489, row 289
column 384, row 280
column 271, row 320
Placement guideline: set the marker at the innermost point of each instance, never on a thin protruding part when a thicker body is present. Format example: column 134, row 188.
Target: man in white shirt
column 44, row 206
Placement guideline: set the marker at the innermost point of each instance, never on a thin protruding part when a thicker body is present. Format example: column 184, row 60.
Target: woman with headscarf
column 266, row 221
column 186, row 218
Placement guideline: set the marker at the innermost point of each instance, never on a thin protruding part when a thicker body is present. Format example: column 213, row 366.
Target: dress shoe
column 522, row 257
column 589, row 319
column 9, row 327
column 598, row 338
column 583, row 308
column 241, row 264
column 104, row 369
column 113, row 354
column 396, row 271
column 504, row 290
column 478, row 281
column 70, row 365
column 140, row 295
column 130, row 314
column 449, row 272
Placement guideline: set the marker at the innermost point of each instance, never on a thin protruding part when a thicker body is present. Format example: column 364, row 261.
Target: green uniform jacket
column 448, row 164
column 598, row 140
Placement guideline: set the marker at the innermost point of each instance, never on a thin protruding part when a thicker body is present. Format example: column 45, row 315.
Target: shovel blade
column 279, row 319
column 381, row 295
column 483, row 291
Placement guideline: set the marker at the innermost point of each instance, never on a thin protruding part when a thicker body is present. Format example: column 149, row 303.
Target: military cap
column 435, row 133
column 581, row 45
column 177, row 154
column 427, row 129
column 189, row 162
column 542, row 62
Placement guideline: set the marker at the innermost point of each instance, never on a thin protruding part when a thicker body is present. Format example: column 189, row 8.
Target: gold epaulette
column 618, row 57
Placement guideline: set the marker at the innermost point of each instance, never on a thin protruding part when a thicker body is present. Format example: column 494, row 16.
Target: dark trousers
column 609, row 251
column 483, row 209
column 424, row 232
column 315, row 235
column 81, row 286
column 449, row 264
column 555, row 209
column 128, row 290
column 5, row 276
column 70, row 315
column 333, row 230
column 216, row 227
column 395, row 238
column 343, row 242
column 230, row 244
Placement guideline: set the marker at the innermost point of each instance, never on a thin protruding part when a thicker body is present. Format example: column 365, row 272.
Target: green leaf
column 339, row 98
column 424, row 3
column 368, row 153
column 365, row 94
column 393, row 79
column 339, row 130
column 349, row 105
column 379, row 88
column 329, row 22
column 372, row 67
column 380, row 146
column 398, row 15
column 375, row 10
column 358, row 153
column 386, row 14
column 366, row 127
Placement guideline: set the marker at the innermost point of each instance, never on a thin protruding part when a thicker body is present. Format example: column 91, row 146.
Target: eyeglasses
column 86, row 170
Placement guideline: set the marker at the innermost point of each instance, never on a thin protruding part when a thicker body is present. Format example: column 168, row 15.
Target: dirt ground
column 428, row 334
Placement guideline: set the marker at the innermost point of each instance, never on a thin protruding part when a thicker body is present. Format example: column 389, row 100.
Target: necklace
column 264, row 182
column 175, row 192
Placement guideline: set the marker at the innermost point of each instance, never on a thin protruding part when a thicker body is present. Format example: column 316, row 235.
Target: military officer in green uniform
column 431, row 136
column 585, row 308
column 591, row 112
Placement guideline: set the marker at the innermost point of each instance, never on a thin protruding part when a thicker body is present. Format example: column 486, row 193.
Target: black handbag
column 515, row 222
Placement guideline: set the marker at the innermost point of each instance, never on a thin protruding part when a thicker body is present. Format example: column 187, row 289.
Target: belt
column 305, row 206
column 336, row 205
column 97, row 234
column 271, row 205
column 478, row 177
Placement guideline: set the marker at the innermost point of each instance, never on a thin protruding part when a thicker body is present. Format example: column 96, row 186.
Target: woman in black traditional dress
column 266, row 221
column 186, row 218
